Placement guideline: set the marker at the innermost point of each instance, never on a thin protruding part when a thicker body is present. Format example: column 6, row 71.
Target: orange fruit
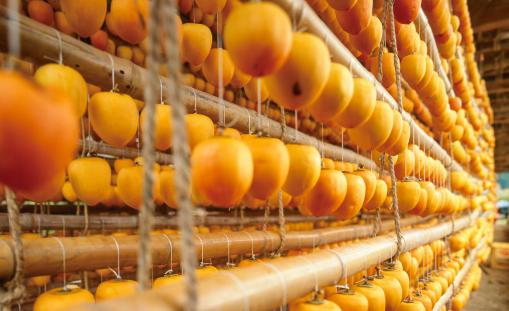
column 114, row 117
column 85, row 17
column 303, row 76
column 336, row 95
column 222, row 170
column 258, row 36
column 129, row 19
column 304, row 169
column 327, row 194
column 30, row 121
column 271, row 165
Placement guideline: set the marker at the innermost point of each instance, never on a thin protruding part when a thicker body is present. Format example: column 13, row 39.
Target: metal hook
column 253, row 257
column 202, row 262
column 60, row 49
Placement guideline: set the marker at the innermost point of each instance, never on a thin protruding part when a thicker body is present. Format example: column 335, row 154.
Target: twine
column 15, row 287
column 389, row 4
column 281, row 222
column 147, row 208
column 181, row 155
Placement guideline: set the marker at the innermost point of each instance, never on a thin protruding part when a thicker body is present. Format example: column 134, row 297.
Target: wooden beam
column 44, row 256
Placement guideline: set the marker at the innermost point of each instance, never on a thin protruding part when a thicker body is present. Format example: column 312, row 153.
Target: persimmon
column 90, row 178
column 114, row 117
column 303, row 76
column 408, row 195
column 357, row 17
column 397, row 129
column 354, row 199
column 258, row 36
column 388, row 71
column 376, row 130
column 49, row 191
column 100, row 40
column 240, row 79
column 130, row 186
column 251, row 90
column 167, row 186
column 378, row 197
column 210, row 67
column 336, row 95
column 40, row 11
column 62, row 24
column 129, row 19
column 413, row 68
column 304, row 169
column 401, row 276
column 59, row 299
column 402, row 142
column 406, row 11
column 85, row 17
column 271, row 165
column 342, row 5
column 163, row 126
column 368, row 39
column 327, row 194
column 115, row 288
column 392, row 290
column 199, row 128
column 350, row 300
column 211, row 6
column 361, row 107
column 66, row 80
column 222, row 170
column 410, row 305
column 196, row 43
column 68, row 192
column 30, row 121
column 374, row 294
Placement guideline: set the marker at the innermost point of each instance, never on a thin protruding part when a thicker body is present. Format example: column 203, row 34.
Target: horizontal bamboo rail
column 30, row 221
column 459, row 277
column 92, row 146
column 312, row 23
column 268, row 285
column 96, row 67
column 44, row 256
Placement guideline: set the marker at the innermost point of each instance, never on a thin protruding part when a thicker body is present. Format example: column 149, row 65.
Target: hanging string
column 153, row 60
column 181, row 155
column 389, row 4
column 281, row 222
column 15, row 288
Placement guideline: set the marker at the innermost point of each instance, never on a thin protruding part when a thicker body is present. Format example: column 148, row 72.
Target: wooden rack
column 283, row 279
column 44, row 256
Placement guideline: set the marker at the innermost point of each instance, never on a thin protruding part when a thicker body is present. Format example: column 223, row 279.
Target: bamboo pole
column 269, row 285
column 92, row 146
column 339, row 53
column 44, row 256
column 30, row 221
column 459, row 277
column 96, row 67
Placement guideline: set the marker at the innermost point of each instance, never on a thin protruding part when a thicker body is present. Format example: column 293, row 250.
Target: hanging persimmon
column 85, row 17
column 258, row 36
column 31, row 120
